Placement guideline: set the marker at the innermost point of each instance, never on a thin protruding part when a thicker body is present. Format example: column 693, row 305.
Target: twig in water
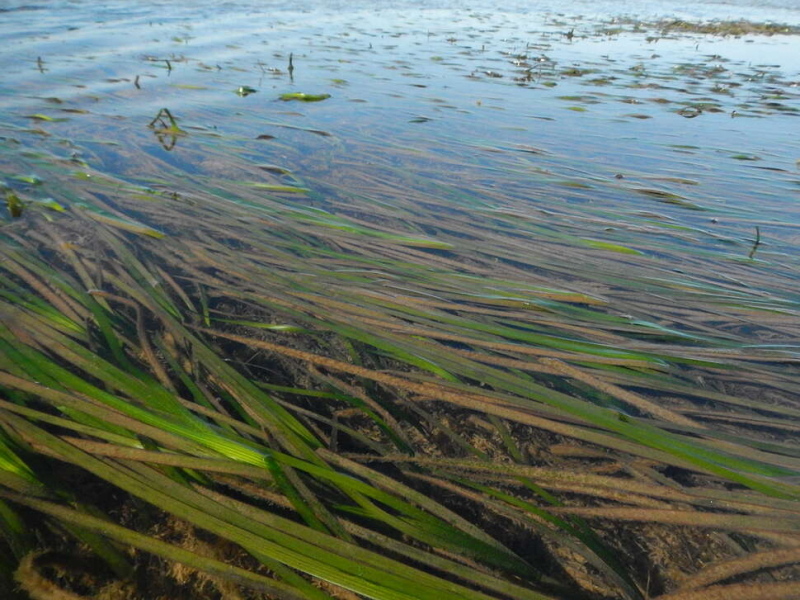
column 756, row 243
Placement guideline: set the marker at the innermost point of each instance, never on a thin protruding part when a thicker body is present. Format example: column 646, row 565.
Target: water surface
column 574, row 223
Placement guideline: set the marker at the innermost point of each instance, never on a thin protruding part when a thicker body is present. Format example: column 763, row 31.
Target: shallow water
column 679, row 147
column 566, row 217
column 607, row 112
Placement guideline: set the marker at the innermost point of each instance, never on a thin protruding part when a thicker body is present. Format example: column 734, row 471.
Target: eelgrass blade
column 359, row 577
column 153, row 545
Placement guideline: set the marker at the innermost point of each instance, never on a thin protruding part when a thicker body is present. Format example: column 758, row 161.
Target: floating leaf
column 41, row 117
column 302, row 97
column 245, row 90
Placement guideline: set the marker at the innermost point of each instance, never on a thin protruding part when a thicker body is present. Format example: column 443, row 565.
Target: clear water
column 578, row 124
column 553, row 177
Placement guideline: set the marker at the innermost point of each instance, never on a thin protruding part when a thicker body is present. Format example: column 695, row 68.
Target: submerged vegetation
column 739, row 27
column 729, row 27
column 398, row 361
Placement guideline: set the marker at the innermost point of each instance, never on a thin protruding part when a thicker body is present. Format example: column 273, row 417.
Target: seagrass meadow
column 303, row 302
